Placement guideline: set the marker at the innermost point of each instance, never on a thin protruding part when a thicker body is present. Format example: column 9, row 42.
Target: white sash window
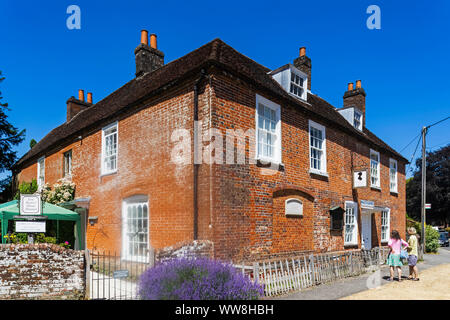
column 135, row 229
column 351, row 223
column 109, row 149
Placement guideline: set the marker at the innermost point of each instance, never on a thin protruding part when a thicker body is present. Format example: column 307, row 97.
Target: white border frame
column 356, row 230
column 388, row 233
column 301, row 74
column 396, row 175
column 102, row 165
column 356, row 110
column 124, row 254
column 293, row 214
column 277, row 108
column 378, row 169
column 322, row 128
column 38, row 169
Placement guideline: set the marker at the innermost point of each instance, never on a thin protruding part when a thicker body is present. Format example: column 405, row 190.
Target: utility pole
column 424, row 181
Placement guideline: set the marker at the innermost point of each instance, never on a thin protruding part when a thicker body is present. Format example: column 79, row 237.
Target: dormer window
column 292, row 80
column 353, row 115
column 296, row 85
column 357, row 119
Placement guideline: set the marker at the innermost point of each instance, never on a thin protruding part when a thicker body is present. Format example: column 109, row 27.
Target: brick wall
column 41, row 271
column 246, row 202
column 240, row 208
column 186, row 249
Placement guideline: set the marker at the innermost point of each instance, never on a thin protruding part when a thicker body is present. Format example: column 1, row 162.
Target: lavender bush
column 196, row 279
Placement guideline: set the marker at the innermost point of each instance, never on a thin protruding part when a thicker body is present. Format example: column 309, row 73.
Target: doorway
column 366, row 230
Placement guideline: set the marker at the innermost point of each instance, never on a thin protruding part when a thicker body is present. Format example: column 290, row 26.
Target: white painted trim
column 391, row 161
column 355, row 232
column 102, row 166
column 277, row 108
column 39, row 169
column 322, row 128
column 388, row 233
column 293, row 214
column 378, row 186
column 143, row 199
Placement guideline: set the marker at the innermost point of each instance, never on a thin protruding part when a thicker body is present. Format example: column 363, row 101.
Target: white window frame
column 323, row 159
column 378, row 184
column 385, row 223
column 354, row 239
column 304, row 88
column 293, row 200
column 39, row 183
column 276, row 158
column 357, row 112
column 69, row 173
column 126, row 203
column 393, row 182
column 104, row 171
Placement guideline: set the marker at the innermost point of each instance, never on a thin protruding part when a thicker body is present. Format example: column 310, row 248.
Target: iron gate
column 111, row 276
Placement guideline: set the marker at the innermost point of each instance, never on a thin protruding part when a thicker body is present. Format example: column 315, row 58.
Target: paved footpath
column 349, row 286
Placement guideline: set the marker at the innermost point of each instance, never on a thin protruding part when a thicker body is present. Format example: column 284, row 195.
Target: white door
column 366, row 230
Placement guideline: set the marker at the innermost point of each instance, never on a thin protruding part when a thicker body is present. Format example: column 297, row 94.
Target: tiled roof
column 215, row 52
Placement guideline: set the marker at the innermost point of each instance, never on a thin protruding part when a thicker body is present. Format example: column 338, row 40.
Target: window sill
column 395, row 193
column 319, row 173
column 350, row 244
column 375, row 188
column 269, row 164
column 108, row 173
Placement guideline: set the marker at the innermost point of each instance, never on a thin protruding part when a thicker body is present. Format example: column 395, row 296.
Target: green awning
column 10, row 209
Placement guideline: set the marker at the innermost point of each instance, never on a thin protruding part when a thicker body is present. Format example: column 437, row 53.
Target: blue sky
column 404, row 66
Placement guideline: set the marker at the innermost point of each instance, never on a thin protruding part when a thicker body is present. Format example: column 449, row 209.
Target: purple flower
column 196, row 279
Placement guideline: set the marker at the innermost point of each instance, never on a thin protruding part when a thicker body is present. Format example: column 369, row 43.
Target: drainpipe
column 196, row 165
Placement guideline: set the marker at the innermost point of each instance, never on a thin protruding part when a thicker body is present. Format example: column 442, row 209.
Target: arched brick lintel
column 284, row 190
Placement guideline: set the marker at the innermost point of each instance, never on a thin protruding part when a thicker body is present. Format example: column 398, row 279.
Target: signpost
column 30, row 204
column 30, row 226
column 30, row 209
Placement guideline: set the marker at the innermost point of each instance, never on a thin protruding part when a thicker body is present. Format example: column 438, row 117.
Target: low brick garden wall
column 41, row 271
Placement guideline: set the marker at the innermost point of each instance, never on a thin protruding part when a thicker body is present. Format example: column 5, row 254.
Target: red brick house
column 314, row 178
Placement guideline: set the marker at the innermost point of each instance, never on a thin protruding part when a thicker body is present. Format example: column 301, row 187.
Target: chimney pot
column 350, row 86
column 89, row 97
column 144, row 37
column 302, row 51
column 153, row 41
column 358, row 84
column 81, row 95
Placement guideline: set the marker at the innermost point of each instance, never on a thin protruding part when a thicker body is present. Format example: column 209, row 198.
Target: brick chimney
column 303, row 63
column 74, row 106
column 148, row 58
column 356, row 97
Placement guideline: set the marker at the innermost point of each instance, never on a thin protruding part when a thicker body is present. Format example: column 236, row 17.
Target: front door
column 366, row 230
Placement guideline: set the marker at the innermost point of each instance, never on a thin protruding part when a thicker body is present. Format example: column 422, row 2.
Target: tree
column 32, row 143
column 437, row 188
column 10, row 137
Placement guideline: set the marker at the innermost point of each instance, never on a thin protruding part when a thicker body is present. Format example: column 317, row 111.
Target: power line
column 410, row 142
column 417, row 145
column 437, row 122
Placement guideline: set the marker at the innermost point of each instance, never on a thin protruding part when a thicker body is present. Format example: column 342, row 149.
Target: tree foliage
column 10, row 136
column 437, row 188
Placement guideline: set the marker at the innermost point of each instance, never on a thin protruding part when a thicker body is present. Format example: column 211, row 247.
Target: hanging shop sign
column 360, row 179
column 30, row 226
column 30, row 204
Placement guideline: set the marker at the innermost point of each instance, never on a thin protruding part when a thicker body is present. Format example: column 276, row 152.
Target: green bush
column 26, row 188
column 431, row 236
